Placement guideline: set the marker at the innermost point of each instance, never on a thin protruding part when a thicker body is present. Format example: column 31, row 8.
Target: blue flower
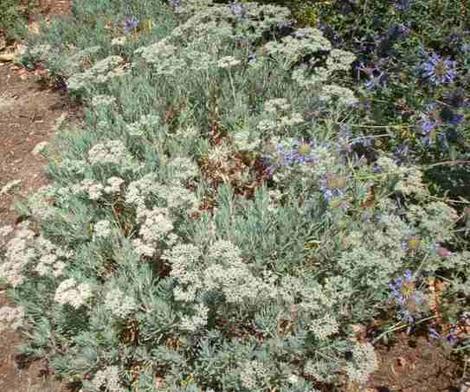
column 130, row 24
column 451, row 337
column 402, row 5
column 333, row 186
column 175, row 3
column 298, row 153
column 439, row 70
column 408, row 299
column 428, row 125
column 457, row 98
column 238, row 9
column 402, row 153
column 376, row 78
column 433, row 118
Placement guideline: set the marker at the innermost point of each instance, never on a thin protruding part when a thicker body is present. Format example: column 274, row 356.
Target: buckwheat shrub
column 102, row 100
column 108, row 152
column 5, row 231
column 18, row 254
column 101, row 72
column 148, row 191
column 52, row 259
column 119, row 303
column 324, row 327
column 196, row 321
column 254, row 375
column 92, row 188
column 73, row 293
column 251, row 230
column 109, row 379
column 228, row 62
column 113, row 185
column 102, row 229
column 161, row 56
column 218, row 23
column 145, row 125
column 301, row 43
column 342, row 95
column 156, row 225
column 363, row 363
column 11, row 318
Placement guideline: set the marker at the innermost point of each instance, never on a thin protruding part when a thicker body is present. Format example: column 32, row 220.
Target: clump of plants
column 217, row 224
column 13, row 17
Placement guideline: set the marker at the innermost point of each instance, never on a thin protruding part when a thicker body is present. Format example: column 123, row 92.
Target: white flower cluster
column 342, row 95
column 109, row 379
column 146, row 122
column 70, row 292
column 162, row 57
column 18, row 253
column 119, row 41
column 113, row 185
column 51, row 258
column 364, row 362
column 277, row 110
column 309, row 42
column 221, row 270
column 102, row 100
column 197, row 320
column 174, row 196
column 218, row 22
column 92, row 188
column 276, row 105
column 156, row 227
column 109, row 152
column 11, row 318
column 324, row 327
column 100, row 72
column 102, row 229
column 301, row 43
column 253, row 375
column 228, row 62
column 139, row 190
column 119, row 304
column 406, row 179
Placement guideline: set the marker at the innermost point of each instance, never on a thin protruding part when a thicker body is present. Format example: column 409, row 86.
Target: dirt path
column 29, row 113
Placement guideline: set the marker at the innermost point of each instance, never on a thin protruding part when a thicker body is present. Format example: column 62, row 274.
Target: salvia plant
column 216, row 223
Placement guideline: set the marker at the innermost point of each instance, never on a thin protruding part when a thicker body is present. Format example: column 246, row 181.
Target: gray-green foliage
column 148, row 274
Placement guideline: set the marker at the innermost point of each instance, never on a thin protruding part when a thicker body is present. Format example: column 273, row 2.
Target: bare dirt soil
column 415, row 364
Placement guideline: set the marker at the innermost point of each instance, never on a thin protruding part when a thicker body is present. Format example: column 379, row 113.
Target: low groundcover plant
column 216, row 225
